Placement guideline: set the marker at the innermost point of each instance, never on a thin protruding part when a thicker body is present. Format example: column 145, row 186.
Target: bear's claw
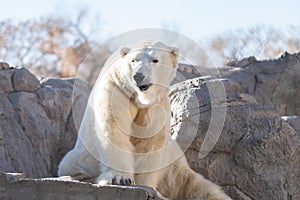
column 120, row 180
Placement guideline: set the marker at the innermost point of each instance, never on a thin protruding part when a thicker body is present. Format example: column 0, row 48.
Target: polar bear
column 124, row 137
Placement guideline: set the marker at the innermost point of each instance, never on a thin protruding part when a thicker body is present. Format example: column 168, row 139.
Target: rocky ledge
column 17, row 186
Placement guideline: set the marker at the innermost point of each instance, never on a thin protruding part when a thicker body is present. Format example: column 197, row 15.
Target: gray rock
column 36, row 125
column 23, row 80
column 58, row 82
column 243, row 63
column 256, row 155
column 6, row 80
column 274, row 83
column 16, row 186
column 4, row 65
column 38, row 131
column 294, row 121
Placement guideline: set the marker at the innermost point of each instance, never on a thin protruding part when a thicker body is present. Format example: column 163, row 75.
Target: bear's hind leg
column 197, row 187
column 180, row 182
column 74, row 164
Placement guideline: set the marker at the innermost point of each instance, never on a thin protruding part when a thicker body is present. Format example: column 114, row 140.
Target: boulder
column 6, row 80
column 274, row 83
column 23, row 80
column 256, row 155
column 36, row 126
column 17, row 186
column 4, row 65
column 294, row 121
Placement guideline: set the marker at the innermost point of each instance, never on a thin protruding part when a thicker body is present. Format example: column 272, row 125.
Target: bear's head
column 149, row 68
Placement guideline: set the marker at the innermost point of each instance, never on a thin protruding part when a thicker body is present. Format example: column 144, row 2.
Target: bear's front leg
column 116, row 162
column 110, row 176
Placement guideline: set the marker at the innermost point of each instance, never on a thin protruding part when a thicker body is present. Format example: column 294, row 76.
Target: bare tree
column 47, row 46
column 262, row 42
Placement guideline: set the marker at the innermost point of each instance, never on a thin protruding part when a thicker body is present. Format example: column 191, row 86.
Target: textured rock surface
column 274, row 83
column 294, row 121
column 256, row 156
column 4, row 65
column 16, row 186
column 36, row 126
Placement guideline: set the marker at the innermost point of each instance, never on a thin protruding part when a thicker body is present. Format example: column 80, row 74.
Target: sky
column 196, row 19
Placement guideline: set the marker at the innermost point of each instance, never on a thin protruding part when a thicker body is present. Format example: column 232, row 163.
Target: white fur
column 124, row 136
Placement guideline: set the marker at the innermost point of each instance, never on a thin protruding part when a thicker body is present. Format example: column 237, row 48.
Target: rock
column 36, row 126
column 185, row 72
column 4, row 65
column 16, row 186
column 23, row 80
column 37, row 129
column 256, row 154
column 273, row 83
column 6, row 80
column 243, row 63
column 14, row 177
column 58, row 82
column 294, row 121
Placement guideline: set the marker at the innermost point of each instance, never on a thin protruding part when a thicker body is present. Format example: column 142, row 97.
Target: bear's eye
column 133, row 60
column 155, row 61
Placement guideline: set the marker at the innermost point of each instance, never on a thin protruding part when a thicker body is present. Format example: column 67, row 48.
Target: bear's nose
column 138, row 77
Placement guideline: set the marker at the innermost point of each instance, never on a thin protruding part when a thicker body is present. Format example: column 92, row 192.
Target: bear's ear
column 174, row 53
column 124, row 51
